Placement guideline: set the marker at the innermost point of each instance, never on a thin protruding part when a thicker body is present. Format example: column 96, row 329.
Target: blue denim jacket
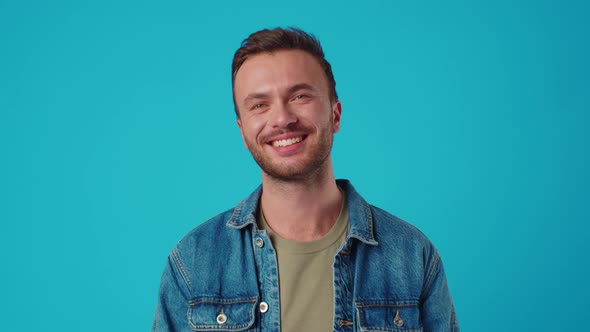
column 387, row 276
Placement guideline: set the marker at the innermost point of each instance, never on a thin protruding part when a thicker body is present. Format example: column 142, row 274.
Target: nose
column 282, row 116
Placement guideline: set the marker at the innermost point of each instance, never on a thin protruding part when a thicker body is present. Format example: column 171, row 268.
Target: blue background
column 117, row 135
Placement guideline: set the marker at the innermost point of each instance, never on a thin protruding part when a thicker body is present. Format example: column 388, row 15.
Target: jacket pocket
column 396, row 316
column 221, row 314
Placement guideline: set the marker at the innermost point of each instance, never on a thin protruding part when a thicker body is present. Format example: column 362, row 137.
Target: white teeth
column 288, row 141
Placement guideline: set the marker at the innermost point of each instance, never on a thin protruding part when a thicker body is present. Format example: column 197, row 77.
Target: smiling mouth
column 287, row 142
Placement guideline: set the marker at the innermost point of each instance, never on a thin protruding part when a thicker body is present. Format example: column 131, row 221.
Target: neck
column 302, row 210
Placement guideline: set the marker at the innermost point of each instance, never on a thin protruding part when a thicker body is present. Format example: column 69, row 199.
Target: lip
column 288, row 150
column 285, row 136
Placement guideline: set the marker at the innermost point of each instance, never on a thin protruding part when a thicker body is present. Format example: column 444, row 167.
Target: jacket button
column 397, row 320
column 221, row 318
column 259, row 243
column 263, row 307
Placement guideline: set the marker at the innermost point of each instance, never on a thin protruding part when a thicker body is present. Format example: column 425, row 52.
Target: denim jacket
column 223, row 276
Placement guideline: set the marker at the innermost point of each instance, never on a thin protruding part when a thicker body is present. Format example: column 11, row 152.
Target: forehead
column 268, row 72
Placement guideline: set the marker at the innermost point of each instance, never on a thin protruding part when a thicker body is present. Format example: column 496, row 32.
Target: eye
column 257, row 106
column 300, row 97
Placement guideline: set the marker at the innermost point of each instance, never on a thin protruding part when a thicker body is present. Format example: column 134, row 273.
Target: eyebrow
column 301, row 86
column 290, row 90
column 253, row 96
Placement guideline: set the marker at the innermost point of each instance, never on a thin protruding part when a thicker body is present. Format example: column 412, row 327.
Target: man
column 304, row 252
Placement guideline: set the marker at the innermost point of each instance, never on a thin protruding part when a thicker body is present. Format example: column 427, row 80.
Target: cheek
column 252, row 128
column 324, row 120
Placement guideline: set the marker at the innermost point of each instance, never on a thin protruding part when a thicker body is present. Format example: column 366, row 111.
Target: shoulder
column 209, row 255
column 205, row 234
column 221, row 236
column 375, row 224
column 388, row 221
column 203, row 253
column 404, row 246
column 389, row 230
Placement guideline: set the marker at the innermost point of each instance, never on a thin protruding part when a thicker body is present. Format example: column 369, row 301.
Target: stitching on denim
column 189, row 318
column 360, row 305
column 369, row 236
column 386, row 302
column 433, row 272
column 344, row 322
column 405, row 303
column 368, row 208
column 240, row 327
column 221, row 301
column 235, row 214
column 386, row 328
column 176, row 257
column 214, row 327
column 236, row 219
column 352, row 249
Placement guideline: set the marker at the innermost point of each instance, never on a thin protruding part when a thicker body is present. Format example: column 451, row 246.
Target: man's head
column 270, row 41
column 287, row 109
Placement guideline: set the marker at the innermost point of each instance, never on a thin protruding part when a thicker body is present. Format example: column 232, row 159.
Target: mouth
column 287, row 141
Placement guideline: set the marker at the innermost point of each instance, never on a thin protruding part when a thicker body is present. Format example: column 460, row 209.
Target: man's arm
column 437, row 309
column 173, row 297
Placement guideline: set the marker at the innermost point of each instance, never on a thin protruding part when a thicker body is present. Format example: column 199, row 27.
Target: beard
column 306, row 166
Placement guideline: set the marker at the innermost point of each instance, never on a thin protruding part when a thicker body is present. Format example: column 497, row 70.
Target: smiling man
column 284, row 108
column 304, row 252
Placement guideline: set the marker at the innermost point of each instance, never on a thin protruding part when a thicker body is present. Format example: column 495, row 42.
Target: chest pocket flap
column 221, row 314
column 397, row 316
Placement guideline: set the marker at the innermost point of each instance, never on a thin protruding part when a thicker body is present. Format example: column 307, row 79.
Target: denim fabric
column 387, row 276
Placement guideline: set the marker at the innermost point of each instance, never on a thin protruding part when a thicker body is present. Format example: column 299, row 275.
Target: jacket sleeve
column 173, row 298
column 437, row 309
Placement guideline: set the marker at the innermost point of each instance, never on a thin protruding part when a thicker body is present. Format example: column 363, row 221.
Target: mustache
column 304, row 130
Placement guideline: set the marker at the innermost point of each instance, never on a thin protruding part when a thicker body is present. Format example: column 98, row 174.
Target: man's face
column 287, row 119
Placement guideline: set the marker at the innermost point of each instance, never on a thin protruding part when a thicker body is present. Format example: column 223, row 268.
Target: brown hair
column 282, row 39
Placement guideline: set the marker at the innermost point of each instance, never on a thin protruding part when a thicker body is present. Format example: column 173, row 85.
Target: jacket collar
column 360, row 218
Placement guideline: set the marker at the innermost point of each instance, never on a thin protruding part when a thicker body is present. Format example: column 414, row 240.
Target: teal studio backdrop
column 117, row 134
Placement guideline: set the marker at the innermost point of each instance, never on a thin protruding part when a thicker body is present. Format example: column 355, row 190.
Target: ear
column 336, row 113
column 239, row 122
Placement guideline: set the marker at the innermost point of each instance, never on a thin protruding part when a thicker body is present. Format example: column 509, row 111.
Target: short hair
column 268, row 41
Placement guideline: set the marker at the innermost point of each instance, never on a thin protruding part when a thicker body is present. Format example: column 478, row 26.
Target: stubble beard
column 309, row 167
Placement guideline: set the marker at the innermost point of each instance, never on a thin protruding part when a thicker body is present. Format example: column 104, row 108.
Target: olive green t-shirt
column 306, row 277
